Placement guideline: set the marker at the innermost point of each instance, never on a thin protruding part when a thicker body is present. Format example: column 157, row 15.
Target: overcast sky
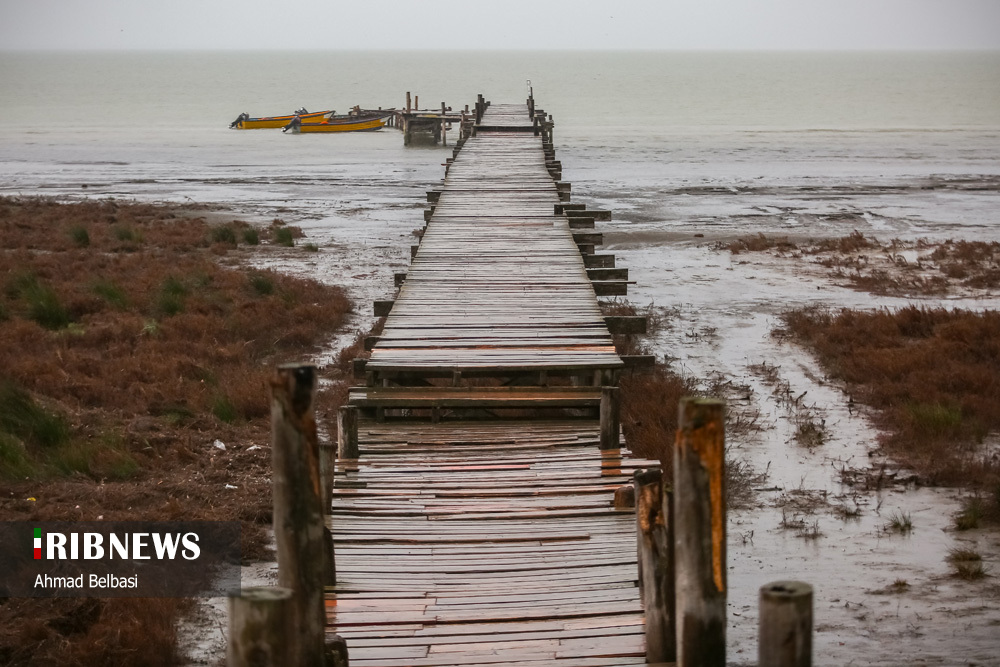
column 492, row 24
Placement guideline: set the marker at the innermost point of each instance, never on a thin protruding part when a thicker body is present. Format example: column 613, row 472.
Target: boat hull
column 270, row 122
column 361, row 125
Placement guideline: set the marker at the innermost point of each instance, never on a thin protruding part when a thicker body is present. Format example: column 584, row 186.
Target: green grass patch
column 80, row 236
column 224, row 234
column 22, row 418
column 224, row 410
column 262, row 284
column 251, row 236
column 283, row 236
column 111, row 293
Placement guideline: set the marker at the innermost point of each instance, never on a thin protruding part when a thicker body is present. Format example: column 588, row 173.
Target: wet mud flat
column 830, row 508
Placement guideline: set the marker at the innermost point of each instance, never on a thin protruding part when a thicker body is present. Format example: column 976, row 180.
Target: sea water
column 718, row 142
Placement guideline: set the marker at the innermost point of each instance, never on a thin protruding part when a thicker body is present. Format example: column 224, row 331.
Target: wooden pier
column 485, row 542
column 483, row 509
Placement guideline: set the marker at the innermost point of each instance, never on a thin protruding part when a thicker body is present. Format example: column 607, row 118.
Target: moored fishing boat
column 349, row 123
column 245, row 122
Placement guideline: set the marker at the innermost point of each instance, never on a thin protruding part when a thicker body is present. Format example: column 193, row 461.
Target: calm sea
column 714, row 140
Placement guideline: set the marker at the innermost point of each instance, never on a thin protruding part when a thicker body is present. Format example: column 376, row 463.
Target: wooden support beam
column 586, row 248
column 371, row 342
column 298, row 513
column 562, row 208
column 413, row 250
column 610, row 287
column 656, row 564
column 785, row 627
column 700, row 533
column 358, row 366
column 590, row 213
column 636, row 361
column 604, row 261
column 398, row 279
column 607, row 274
column 593, row 238
column 382, row 308
column 428, row 213
column 433, row 196
column 581, row 223
column 610, row 418
column 625, row 324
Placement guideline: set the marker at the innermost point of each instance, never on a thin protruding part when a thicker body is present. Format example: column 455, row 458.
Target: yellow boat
column 245, row 122
column 336, row 124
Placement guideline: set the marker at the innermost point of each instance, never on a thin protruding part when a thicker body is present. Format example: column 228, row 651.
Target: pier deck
column 498, row 285
column 485, row 544
column 489, row 543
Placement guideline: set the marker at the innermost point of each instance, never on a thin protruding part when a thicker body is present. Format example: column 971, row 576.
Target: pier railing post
column 298, row 512
column 260, row 627
column 786, row 620
column 327, row 470
column 610, row 418
column 654, row 533
column 347, row 432
column 700, row 533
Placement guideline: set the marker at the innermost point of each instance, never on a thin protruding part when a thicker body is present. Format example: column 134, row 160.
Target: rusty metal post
column 700, row 533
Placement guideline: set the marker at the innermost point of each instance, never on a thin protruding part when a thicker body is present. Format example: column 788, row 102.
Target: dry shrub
column 649, row 410
column 80, row 632
column 759, row 243
column 932, row 375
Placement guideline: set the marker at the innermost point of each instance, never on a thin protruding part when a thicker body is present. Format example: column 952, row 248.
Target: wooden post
column 298, row 511
column 327, row 470
column 656, row 564
column 786, row 620
column 407, row 101
column 444, row 130
column 416, row 102
column 347, row 432
column 610, row 424
column 260, row 627
column 700, row 533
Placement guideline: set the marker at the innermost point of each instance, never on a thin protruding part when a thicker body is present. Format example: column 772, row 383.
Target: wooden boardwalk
column 498, row 285
column 489, row 543
column 485, row 544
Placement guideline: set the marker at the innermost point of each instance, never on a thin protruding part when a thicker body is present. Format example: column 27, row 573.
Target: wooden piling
column 260, row 627
column 327, row 470
column 407, row 101
column 654, row 536
column 610, row 422
column 785, row 625
column 347, row 432
column 298, row 512
column 700, row 533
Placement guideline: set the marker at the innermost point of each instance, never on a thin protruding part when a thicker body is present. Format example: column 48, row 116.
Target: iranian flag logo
column 38, row 543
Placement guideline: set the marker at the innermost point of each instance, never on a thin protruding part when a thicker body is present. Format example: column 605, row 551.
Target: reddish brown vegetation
column 132, row 349
column 933, row 376
column 880, row 268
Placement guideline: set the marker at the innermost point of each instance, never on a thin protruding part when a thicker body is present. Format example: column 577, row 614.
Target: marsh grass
column 109, row 409
column 966, row 564
column 932, row 376
column 899, row 522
